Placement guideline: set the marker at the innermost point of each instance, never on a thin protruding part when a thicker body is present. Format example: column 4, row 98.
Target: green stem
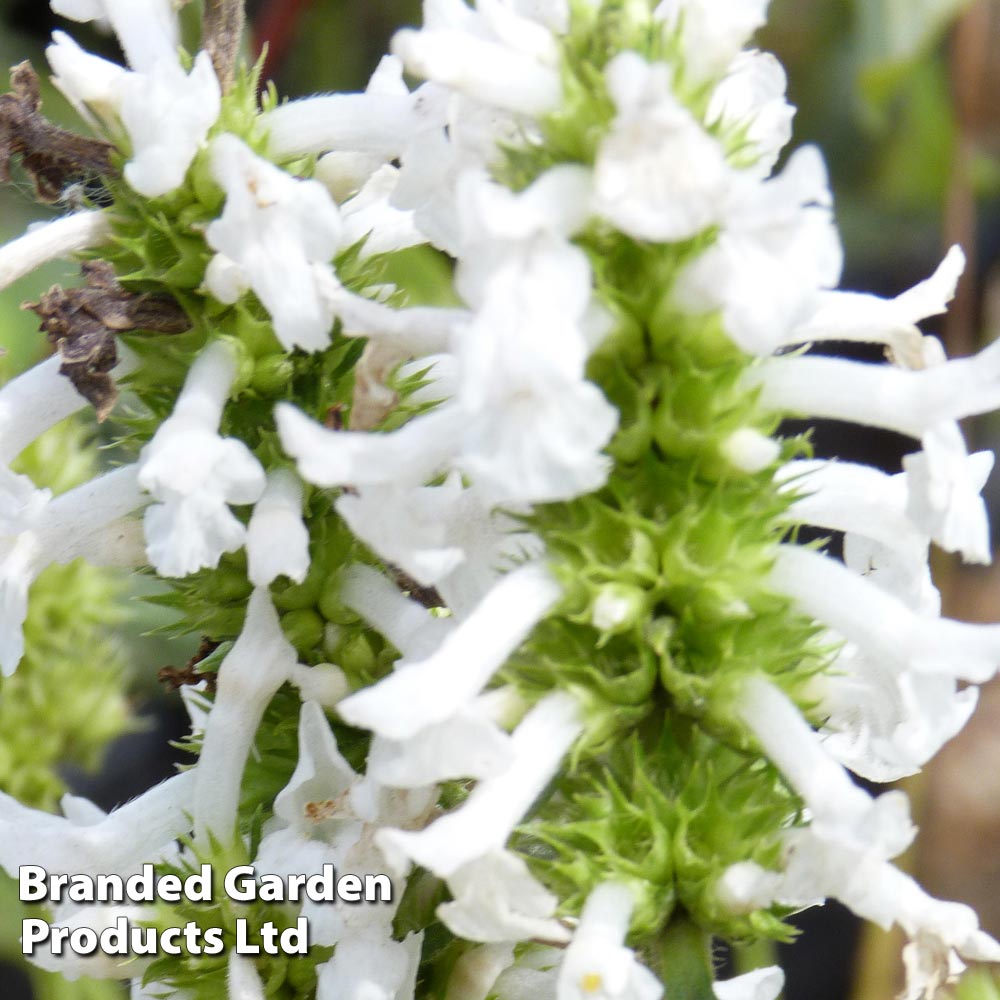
column 684, row 954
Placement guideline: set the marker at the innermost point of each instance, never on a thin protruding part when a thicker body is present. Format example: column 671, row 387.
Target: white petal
column 485, row 820
column 50, row 241
column 761, row 984
column 277, row 538
column 497, row 899
column 424, row 693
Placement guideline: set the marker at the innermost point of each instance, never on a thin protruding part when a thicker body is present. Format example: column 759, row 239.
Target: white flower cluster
column 518, row 423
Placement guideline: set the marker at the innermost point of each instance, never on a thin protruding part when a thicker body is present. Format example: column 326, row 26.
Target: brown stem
column 222, row 35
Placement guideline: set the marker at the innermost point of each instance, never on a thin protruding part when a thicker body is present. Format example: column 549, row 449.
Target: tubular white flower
column 485, row 820
column 944, row 484
column 371, row 967
column 443, row 536
column 410, row 455
column 167, row 114
column 147, row 29
column 380, row 124
column 497, row 899
column 474, row 974
column 243, row 980
column 711, row 32
column 868, row 318
column 658, row 175
column 824, row 785
column 885, row 725
column 468, row 744
column 488, row 71
column 882, row 625
column 260, row 661
column 37, row 531
column 777, row 250
column 71, row 965
column 277, row 539
column 421, row 694
column 910, row 402
column 59, row 238
column 91, row 84
column 282, row 233
column 597, row 961
column 844, row 496
column 413, row 331
column 128, row 836
column 313, row 819
column 819, row 865
column 196, row 474
column 407, row 624
column 761, row 984
column 751, row 98
column 371, row 219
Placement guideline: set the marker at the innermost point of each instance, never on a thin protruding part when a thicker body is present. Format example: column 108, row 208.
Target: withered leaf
column 81, row 324
column 52, row 156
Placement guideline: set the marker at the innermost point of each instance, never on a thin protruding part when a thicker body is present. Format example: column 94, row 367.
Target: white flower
column 943, row 492
column 761, row 984
column 167, row 113
column 147, row 29
column 777, row 250
column 658, row 175
column 71, row 965
column 61, row 237
column 421, row 694
column 277, row 539
column 597, row 963
column 712, row 32
column 371, row 967
column 195, row 474
column 36, row 530
column 91, row 84
column 443, row 536
column 139, row 831
column 371, row 217
column 406, row 623
column 497, row 899
column 751, row 99
column 468, row 744
column 474, row 974
column 883, row 724
column 876, row 395
column 485, row 820
column 862, row 317
column 510, row 63
column 260, row 661
column 243, row 979
column 374, row 126
column 282, row 232
column 313, row 820
column 882, row 625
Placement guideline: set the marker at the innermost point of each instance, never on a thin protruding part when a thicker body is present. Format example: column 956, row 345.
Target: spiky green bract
column 203, row 977
column 665, row 819
column 66, row 701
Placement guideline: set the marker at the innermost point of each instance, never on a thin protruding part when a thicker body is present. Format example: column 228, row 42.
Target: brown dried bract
column 81, row 324
column 52, row 156
column 178, row 677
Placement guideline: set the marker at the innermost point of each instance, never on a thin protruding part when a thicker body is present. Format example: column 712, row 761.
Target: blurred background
column 903, row 96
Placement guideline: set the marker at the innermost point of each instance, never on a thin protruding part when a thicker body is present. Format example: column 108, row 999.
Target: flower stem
column 683, row 960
